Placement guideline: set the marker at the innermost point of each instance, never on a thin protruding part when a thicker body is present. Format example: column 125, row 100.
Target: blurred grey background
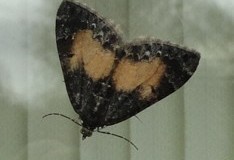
column 194, row 123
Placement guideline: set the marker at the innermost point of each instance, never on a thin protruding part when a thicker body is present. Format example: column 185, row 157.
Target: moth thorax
column 86, row 132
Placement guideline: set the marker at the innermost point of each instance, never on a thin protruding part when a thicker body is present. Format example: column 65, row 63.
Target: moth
column 108, row 80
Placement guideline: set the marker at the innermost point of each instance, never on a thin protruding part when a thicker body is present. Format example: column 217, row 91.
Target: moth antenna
column 62, row 115
column 116, row 135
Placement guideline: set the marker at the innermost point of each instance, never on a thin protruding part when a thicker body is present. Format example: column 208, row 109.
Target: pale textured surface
column 194, row 123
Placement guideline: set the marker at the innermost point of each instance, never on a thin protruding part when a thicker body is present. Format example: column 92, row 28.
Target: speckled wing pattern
column 109, row 81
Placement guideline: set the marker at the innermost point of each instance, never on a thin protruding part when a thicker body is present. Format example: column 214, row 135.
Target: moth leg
column 138, row 118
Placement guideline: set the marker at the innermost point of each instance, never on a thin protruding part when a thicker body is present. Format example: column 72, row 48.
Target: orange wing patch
column 129, row 75
column 98, row 62
column 154, row 81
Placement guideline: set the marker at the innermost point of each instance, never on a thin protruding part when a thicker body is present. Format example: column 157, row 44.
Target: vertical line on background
column 183, row 92
column 27, row 75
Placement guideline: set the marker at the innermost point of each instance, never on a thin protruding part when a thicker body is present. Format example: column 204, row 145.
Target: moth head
column 86, row 132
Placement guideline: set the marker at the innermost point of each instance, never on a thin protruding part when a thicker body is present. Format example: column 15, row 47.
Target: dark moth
column 109, row 81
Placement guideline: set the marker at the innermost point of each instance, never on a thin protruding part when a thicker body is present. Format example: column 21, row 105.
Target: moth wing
column 86, row 45
column 107, row 84
column 146, row 73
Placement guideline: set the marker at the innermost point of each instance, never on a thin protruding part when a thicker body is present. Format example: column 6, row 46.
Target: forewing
column 86, row 45
column 146, row 73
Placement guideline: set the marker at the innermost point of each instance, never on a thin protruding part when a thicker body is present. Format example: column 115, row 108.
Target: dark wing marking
column 86, row 45
column 173, row 66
